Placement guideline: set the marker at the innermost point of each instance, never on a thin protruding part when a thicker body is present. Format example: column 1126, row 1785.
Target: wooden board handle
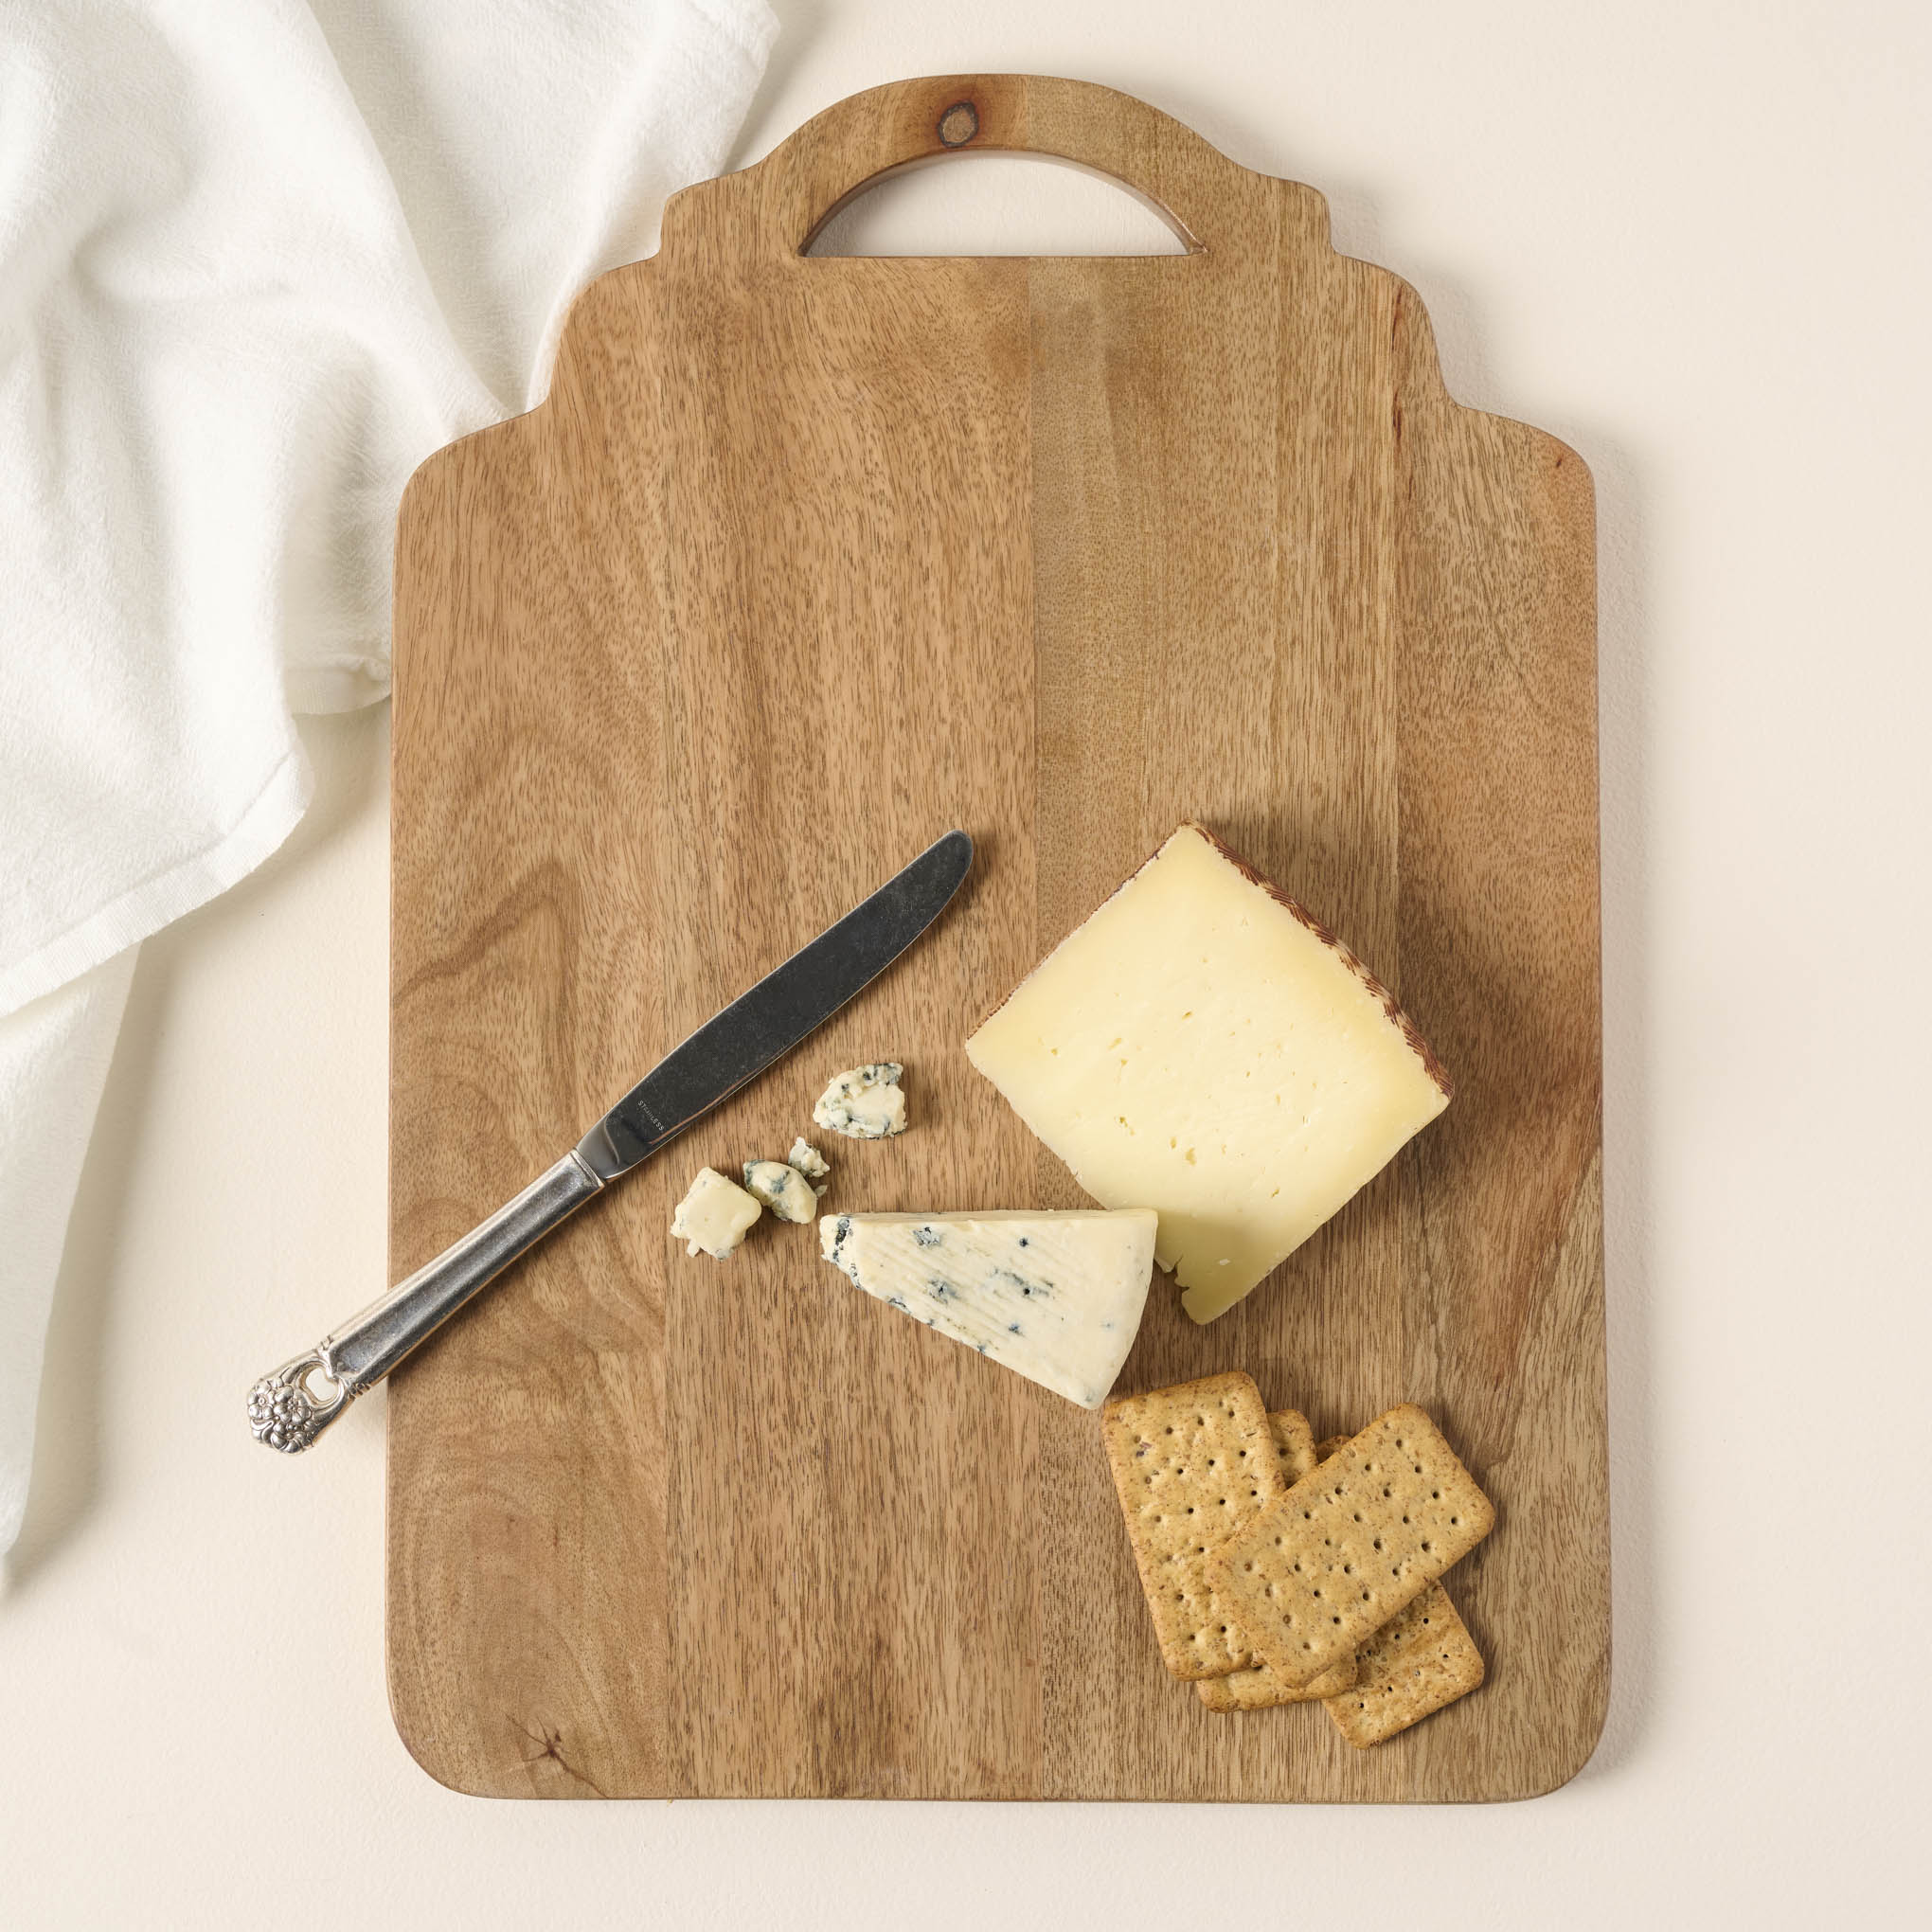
column 810, row 175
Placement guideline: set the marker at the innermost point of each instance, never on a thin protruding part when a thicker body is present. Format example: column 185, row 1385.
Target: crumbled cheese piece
column 714, row 1215
column 865, row 1103
column 783, row 1188
column 808, row 1162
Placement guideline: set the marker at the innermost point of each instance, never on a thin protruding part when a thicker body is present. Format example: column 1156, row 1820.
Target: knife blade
column 288, row 1411
column 788, row 1003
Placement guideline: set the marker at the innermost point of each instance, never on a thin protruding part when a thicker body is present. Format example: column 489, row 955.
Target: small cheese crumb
column 808, row 1162
column 865, row 1103
column 783, row 1188
column 714, row 1215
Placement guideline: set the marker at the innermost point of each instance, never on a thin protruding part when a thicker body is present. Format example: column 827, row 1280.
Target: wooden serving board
column 803, row 562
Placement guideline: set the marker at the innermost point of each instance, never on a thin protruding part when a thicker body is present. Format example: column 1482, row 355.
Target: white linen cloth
column 257, row 261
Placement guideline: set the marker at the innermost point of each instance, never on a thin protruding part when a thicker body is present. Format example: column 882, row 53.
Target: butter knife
column 290, row 1408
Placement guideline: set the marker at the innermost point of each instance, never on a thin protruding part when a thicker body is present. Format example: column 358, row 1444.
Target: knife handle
column 288, row 1411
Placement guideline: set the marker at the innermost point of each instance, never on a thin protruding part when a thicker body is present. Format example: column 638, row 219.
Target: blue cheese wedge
column 865, row 1103
column 1204, row 1047
column 1057, row 1297
column 809, row 1162
column 781, row 1188
column 713, row 1216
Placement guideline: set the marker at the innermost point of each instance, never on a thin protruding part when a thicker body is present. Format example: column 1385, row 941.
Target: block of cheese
column 1204, row 1047
column 1055, row 1296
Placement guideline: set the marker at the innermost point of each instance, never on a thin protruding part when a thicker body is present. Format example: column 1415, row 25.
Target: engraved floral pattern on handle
column 284, row 1412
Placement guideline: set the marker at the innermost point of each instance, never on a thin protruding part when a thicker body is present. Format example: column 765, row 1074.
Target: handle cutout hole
column 981, row 204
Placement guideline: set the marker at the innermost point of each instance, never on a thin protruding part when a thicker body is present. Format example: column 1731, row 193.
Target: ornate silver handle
column 288, row 1411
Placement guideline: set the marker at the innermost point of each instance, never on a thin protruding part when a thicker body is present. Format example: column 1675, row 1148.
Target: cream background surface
column 1690, row 240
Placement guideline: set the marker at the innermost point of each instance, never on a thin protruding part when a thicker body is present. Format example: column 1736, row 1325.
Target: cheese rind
column 1057, row 1297
column 713, row 1215
column 1201, row 1045
column 865, row 1103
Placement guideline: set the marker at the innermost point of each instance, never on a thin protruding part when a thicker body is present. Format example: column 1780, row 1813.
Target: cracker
column 1294, row 1444
column 1259, row 1689
column 1192, row 1465
column 1419, row 1661
column 1323, row 1568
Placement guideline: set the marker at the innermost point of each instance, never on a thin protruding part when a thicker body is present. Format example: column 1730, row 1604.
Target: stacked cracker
column 1276, row 1573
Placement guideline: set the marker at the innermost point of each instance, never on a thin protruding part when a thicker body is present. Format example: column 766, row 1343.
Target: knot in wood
column 958, row 124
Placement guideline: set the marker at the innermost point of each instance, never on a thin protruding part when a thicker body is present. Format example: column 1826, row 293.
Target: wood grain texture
column 803, row 562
